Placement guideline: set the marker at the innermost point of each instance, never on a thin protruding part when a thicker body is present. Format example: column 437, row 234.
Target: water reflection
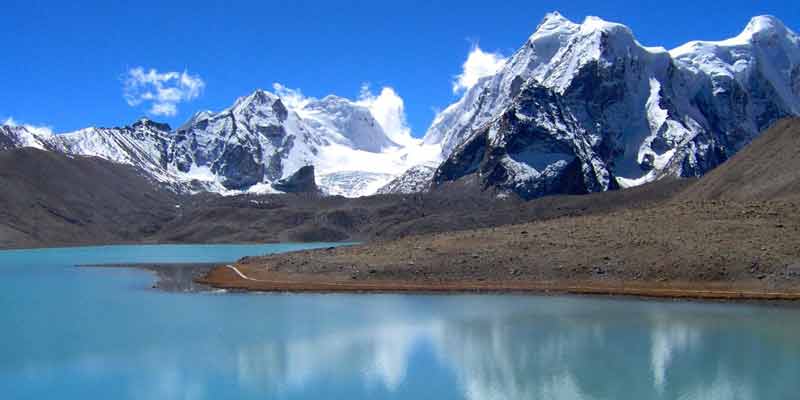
column 606, row 350
column 376, row 355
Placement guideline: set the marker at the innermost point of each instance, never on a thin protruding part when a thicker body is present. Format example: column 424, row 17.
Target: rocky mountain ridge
column 247, row 148
column 580, row 107
column 585, row 107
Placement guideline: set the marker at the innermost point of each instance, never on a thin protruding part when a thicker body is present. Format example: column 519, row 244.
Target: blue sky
column 65, row 63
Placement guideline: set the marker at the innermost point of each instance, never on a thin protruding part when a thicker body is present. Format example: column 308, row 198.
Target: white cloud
column 163, row 91
column 168, row 109
column 479, row 64
column 292, row 98
column 388, row 109
column 36, row 129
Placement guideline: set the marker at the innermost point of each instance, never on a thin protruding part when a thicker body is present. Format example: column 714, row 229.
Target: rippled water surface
column 69, row 333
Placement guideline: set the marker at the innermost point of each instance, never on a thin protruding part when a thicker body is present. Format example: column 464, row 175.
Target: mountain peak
column 553, row 23
column 148, row 123
column 594, row 24
column 764, row 24
column 261, row 96
column 258, row 97
column 554, row 18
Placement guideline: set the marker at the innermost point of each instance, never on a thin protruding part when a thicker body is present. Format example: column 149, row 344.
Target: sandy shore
column 705, row 250
column 221, row 277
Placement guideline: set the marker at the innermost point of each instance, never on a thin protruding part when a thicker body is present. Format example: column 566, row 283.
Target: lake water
column 70, row 333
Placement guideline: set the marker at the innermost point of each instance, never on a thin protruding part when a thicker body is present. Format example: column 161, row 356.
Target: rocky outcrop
column 302, row 181
column 416, row 179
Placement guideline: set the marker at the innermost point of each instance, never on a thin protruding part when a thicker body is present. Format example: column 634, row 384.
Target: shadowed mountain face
column 50, row 198
column 53, row 200
column 767, row 169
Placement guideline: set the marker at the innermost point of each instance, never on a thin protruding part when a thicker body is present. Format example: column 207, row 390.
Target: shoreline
column 206, row 277
column 223, row 277
column 56, row 246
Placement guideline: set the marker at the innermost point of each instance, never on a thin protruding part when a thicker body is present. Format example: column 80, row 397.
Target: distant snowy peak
column 764, row 29
column 142, row 144
column 261, row 140
column 17, row 136
column 345, row 122
column 256, row 141
column 766, row 49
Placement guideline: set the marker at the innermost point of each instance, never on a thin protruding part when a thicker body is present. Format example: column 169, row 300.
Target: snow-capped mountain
column 585, row 107
column 580, row 107
column 16, row 136
column 144, row 144
column 251, row 146
column 263, row 138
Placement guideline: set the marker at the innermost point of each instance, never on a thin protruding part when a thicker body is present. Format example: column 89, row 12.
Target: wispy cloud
column 388, row 109
column 162, row 91
column 38, row 129
column 479, row 64
column 293, row 98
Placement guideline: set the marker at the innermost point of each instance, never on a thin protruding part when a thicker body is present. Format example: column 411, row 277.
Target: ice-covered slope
column 143, row 144
column 346, row 123
column 585, row 107
column 414, row 180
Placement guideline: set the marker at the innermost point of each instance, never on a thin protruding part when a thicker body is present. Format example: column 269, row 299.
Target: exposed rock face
column 244, row 145
column 6, row 138
column 584, row 108
column 415, row 179
column 301, row 181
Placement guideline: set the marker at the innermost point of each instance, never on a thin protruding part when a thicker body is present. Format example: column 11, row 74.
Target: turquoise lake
column 80, row 333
